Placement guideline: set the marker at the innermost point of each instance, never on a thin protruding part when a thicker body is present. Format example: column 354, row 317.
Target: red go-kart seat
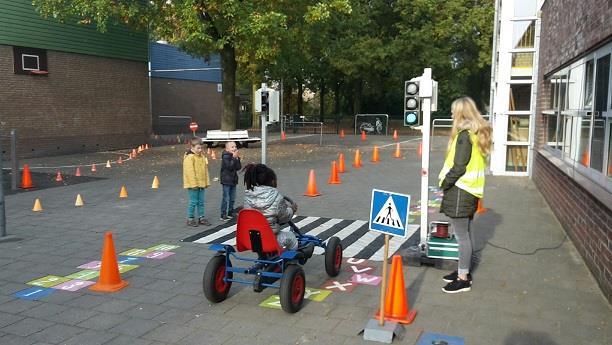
column 254, row 233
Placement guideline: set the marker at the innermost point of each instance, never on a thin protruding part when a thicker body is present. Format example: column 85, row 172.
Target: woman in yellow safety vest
column 462, row 180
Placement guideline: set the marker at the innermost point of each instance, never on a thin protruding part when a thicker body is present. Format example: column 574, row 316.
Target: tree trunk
column 230, row 104
column 357, row 97
column 288, row 90
column 300, row 99
column 322, row 102
column 337, row 105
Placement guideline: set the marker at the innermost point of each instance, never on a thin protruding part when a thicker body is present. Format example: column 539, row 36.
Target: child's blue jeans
column 196, row 198
column 227, row 203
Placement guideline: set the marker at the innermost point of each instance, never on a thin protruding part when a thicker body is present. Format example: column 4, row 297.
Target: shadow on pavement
column 523, row 337
column 45, row 180
column 482, row 229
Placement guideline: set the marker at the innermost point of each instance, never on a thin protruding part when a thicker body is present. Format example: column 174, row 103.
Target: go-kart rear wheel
column 215, row 288
column 292, row 288
column 333, row 256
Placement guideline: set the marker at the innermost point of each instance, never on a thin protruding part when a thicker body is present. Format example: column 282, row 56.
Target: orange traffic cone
column 78, row 172
column 341, row 168
column 208, row 151
column 213, row 155
column 139, row 149
column 480, row 209
column 26, row 178
column 420, row 149
column 283, row 136
column 37, row 206
column 375, row 155
column 395, row 134
column 108, row 164
column 123, row 192
column 363, row 136
column 311, row 189
column 585, row 159
column 155, row 184
column 396, row 301
column 58, row 177
column 357, row 162
column 79, row 201
column 334, row 178
column 398, row 153
column 120, row 160
column 93, row 168
column 342, row 134
column 133, row 153
column 110, row 279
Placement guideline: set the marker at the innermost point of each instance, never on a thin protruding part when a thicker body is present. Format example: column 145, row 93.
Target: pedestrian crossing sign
column 389, row 212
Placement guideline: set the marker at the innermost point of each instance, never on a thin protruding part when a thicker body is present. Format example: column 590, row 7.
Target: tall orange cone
column 395, row 134
column 420, row 149
column 342, row 134
column 363, row 136
column 480, row 209
column 58, row 177
column 283, row 136
column 108, row 164
column 78, row 172
column 155, row 184
column 334, row 178
column 110, row 279
column 311, row 189
column 93, row 168
column 375, row 158
column 396, row 301
column 398, row 153
column 26, row 178
column 357, row 162
column 123, row 193
column 79, row 201
column 341, row 167
column 139, row 149
column 37, row 206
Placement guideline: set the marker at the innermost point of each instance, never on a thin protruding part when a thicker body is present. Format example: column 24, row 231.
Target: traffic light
column 412, row 104
column 264, row 101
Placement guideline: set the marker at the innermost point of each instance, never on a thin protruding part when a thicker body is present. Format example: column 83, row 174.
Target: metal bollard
column 14, row 162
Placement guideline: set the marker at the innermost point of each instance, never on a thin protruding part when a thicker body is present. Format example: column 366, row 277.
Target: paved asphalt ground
column 548, row 297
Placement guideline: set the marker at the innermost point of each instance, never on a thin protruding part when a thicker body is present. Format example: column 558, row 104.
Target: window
column 597, row 143
column 516, row 158
column 520, row 97
column 575, row 87
column 551, row 129
column 582, row 140
column 601, row 84
column 28, row 60
column 610, row 151
column 522, row 66
column 523, row 34
column 518, row 128
column 525, row 8
column 588, row 84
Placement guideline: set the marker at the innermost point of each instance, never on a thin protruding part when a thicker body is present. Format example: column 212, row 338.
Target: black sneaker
column 192, row 222
column 453, row 276
column 457, row 286
column 203, row 221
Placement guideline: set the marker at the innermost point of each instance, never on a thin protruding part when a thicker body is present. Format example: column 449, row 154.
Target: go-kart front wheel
column 333, row 256
column 292, row 288
column 215, row 287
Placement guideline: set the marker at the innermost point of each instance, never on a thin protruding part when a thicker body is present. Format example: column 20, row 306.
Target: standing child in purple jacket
column 230, row 164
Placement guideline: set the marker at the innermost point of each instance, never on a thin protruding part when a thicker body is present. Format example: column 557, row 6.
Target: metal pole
column 263, row 137
column 383, row 286
column 321, row 135
column 14, row 162
column 2, row 213
column 280, row 107
column 425, row 168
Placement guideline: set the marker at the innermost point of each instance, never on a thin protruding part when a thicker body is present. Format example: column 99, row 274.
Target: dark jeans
column 227, row 203
column 196, row 199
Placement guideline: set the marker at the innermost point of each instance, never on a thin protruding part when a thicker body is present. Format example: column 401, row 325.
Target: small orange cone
column 133, row 153
column 139, row 149
column 480, row 209
column 78, row 172
column 342, row 134
column 108, row 164
column 214, row 156
column 395, row 134
column 585, row 159
column 363, row 136
column 357, row 162
column 58, row 177
column 396, row 302
column 208, row 151
column 334, row 178
column 123, row 192
column 110, row 279
column 341, row 167
column 120, row 160
column 79, row 201
column 26, row 178
column 398, row 153
column 311, row 189
column 283, row 136
column 420, row 149
column 155, row 184
column 93, row 168
column 37, row 206
column 375, row 155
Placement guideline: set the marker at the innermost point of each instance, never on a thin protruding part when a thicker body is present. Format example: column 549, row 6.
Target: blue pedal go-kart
column 272, row 263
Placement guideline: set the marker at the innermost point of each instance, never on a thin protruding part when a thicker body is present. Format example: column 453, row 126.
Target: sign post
column 194, row 127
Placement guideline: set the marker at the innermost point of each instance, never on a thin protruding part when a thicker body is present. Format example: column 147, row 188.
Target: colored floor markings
column 271, row 302
column 317, row 295
column 48, row 281
column 135, row 252
column 129, row 260
column 84, row 275
column 334, row 285
column 158, row 255
column 356, row 262
column 428, row 338
column 365, row 279
column 162, row 248
column 126, row 268
column 360, row 269
column 34, row 293
column 73, row 285
column 93, row 265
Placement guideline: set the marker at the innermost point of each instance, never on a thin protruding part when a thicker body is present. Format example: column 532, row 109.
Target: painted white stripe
column 395, row 243
column 323, row 227
column 303, row 222
column 220, row 233
column 447, row 249
column 361, row 243
column 343, row 234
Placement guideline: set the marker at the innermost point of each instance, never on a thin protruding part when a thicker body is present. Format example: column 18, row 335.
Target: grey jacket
column 270, row 202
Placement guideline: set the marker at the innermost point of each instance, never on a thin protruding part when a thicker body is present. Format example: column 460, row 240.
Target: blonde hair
column 466, row 116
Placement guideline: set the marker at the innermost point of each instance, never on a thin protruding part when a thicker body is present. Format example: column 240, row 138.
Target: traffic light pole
column 263, row 121
column 426, row 94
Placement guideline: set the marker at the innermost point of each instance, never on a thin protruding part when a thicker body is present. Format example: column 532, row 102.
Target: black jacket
column 456, row 202
column 229, row 168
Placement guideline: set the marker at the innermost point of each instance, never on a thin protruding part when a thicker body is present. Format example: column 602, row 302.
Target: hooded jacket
column 270, row 202
column 229, row 168
column 195, row 171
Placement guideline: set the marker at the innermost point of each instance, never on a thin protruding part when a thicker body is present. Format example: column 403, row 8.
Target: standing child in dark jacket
column 230, row 164
column 462, row 180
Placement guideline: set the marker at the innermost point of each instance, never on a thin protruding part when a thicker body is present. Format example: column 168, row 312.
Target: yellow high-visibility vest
column 473, row 180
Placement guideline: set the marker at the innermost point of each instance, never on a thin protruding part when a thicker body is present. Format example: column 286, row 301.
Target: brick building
column 69, row 88
column 572, row 158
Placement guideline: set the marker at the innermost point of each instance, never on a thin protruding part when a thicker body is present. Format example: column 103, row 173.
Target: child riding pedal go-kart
column 253, row 233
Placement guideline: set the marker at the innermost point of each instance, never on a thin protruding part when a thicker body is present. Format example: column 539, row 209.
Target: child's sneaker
column 192, row 222
column 453, row 276
column 224, row 219
column 203, row 221
column 457, row 286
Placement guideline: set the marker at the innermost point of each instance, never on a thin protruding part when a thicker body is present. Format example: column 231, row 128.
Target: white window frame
column 30, row 69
